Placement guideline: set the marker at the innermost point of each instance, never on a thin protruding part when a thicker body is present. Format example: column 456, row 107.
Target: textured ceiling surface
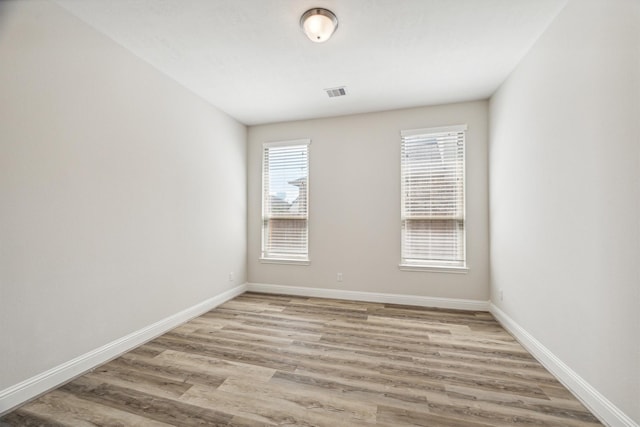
column 250, row 58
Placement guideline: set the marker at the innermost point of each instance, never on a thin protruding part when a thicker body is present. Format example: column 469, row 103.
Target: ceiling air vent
column 336, row 91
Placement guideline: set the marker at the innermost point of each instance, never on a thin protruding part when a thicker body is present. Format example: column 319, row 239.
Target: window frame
column 434, row 265
column 264, row 255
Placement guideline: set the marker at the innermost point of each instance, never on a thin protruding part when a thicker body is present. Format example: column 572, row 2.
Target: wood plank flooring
column 262, row 360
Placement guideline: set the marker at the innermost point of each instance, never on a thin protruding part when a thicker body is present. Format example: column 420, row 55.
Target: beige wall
column 122, row 195
column 355, row 203
column 565, row 195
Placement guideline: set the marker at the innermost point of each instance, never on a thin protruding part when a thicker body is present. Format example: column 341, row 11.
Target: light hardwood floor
column 263, row 360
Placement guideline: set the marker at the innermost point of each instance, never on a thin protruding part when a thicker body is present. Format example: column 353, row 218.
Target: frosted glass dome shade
column 319, row 24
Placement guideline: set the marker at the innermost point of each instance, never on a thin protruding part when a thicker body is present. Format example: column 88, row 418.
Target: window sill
column 285, row 261
column 434, row 269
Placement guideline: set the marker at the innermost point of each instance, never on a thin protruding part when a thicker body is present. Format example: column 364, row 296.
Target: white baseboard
column 601, row 407
column 450, row 303
column 26, row 390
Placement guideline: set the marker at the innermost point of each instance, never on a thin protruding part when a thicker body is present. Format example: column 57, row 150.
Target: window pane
column 286, row 237
column 432, row 180
column 433, row 240
column 285, row 201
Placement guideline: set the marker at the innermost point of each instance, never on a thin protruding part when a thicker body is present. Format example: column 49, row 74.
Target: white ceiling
column 250, row 58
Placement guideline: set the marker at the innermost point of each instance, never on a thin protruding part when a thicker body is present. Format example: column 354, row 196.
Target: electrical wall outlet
column 231, row 276
column 501, row 295
column 339, row 277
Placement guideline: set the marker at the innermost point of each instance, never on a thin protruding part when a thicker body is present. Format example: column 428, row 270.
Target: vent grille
column 336, row 91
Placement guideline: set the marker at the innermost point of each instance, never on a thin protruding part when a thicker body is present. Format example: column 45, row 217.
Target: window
column 285, row 201
column 432, row 201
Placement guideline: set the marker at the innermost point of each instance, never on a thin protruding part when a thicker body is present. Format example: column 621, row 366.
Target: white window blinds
column 432, row 202
column 285, row 200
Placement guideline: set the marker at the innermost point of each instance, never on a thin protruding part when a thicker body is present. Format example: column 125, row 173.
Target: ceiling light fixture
column 318, row 24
